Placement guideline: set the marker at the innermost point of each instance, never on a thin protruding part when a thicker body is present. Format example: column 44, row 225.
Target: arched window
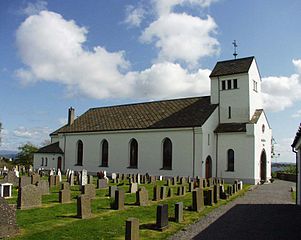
column 80, row 151
column 133, row 153
column 167, row 153
column 230, row 166
column 104, row 153
column 46, row 161
column 42, row 162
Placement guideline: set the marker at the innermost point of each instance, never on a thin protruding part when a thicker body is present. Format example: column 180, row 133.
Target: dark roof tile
column 51, row 148
column 231, row 127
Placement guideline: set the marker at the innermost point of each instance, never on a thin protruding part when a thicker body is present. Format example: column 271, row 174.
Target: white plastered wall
column 39, row 160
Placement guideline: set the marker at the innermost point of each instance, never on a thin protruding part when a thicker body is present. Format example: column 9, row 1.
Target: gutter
column 193, row 153
column 297, row 172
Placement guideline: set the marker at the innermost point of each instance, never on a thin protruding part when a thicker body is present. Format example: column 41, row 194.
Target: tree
column 25, row 156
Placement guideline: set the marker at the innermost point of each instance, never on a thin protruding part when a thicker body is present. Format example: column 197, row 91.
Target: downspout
column 219, row 120
column 64, row 152
column 297, row 172
column 193, row 152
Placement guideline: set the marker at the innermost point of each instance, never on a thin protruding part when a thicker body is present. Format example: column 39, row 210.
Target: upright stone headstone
column 90, row 179
column 29, row 196
column 102, row 183
column 197, row 200
column 152, row 179
column 182, row 180
column 89, row 189
column 156, row 195
column 179, row 212
column 208, row 197
column 65, row 185
column 142, row 197
column 132, row 229
column 204, row 183
column 24, row 180
column 84, row 177
column 229, row 190
column 162, row 216
column 216, row 195
column 170, row 192
column 57, row 180
column 43, row 186
column 84, row 206
column 11, row 177
column 8, row 223
column 113, row 176
column 190, row 186
column 112, row 190
column 174, row 181
column 133, row 188
column 168, row 182
column 60, row 175
column 162, row 192
column 119, row 199
column 35, row 178
column 65, row 196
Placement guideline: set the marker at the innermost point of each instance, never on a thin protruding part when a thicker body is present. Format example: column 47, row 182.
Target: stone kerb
column 29, row 196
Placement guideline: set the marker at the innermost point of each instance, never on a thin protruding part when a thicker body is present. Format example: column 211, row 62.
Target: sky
column 57, row 54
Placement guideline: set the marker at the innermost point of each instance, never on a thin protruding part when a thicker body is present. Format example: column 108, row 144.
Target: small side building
column 296, row 147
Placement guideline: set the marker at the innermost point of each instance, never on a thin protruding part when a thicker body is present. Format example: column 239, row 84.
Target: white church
column 225, row 135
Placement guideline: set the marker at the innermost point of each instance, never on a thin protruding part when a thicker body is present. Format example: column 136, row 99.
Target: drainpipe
column 297, row 172
column 219, row 121
column 193, row 152
column 64, row 152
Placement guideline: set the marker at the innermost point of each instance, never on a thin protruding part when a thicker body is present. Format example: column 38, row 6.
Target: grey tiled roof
column 231, row 127
column 51, row 148
column 256, row 116
column 230, row 67
column 185, row 112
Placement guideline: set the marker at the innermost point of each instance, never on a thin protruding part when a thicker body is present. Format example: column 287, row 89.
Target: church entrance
column 59, row 163
column 263, row 166
column 208, row 173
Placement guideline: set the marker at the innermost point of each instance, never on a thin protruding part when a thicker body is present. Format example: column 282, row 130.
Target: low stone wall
column 287, row 177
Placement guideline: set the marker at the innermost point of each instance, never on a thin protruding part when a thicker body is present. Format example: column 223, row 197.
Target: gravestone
column 234, row 188
column 90, row 179
column 142, row 197
column 156, row 195
column 56, row 180
column 152, row 179
column 71, row 178
column 204, row 183
column 102, row 183
column 216, row 196
column 138, row 178
column 174, row 181
column 35, row 178
column 179, row 212
column 84, row 176
column 6, row 190
column 65, row 185
column 133, row 188
column 190, row 186
column 221, row 189
column 240, row 185
column 24, row 180
column 162, row 217
column 11, row 178
column 229, row 190
column 209, row 182
column 60, row 175
column 182, row 180
column 208, row 197
column 168, row 182
column 170, row 192
column 162, row 192
column 119, row 199
column 65, row 196
column 112, row 190
column 51, row 181
column 8, row 223
column 43, row 186
column 29, row 196
column 132, row 229
column 113, row 176
column 89, row 189
column 197, row 200
column 84, row 206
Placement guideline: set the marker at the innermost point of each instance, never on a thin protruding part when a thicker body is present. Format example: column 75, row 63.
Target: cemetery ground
column 59, row 221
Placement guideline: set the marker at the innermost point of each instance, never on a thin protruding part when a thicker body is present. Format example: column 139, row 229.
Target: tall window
column 133, row 153
column 167, row 153
column 229, row 112
column 104, row 153
column 80, row 151
column 230, row 166
column 229, row 83
column 224, row 85
column 42, row 162
column 235, row 83
column 46, row 161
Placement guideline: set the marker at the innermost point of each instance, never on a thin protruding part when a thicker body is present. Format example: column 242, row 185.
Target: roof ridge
column 237, row 59
column 140, row 103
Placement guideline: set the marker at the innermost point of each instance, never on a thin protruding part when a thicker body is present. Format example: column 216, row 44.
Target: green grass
column 58, row 221
column 293, row 194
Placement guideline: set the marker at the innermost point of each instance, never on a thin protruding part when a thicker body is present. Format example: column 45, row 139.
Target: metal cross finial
column 235, row 46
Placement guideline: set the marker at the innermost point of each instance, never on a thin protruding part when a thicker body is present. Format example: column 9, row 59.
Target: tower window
column 254, row 85
column 229, row 82
column 223, row 85
column 229, row 112
column 235, row 83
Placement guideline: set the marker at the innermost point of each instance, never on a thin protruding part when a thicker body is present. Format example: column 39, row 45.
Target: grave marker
column 119, row 199
column 83, row 206
column 162, row 217
column 179, row 212
column 29, row 196
column 132, row 229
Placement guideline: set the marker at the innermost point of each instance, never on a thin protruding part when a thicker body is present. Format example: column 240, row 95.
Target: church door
column 59, row 163
column 208, row 173
column 263, row 166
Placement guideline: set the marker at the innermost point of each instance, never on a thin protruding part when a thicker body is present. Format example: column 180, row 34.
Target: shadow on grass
column 148, row 226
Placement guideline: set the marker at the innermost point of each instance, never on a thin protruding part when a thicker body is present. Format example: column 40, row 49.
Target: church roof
column 176, row 113
column 256, row 115
column 231, row 127
column 230, row 67
column 51, row 148
column 297, row 137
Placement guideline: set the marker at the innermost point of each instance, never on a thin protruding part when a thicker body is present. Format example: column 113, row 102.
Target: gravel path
column 266, row 212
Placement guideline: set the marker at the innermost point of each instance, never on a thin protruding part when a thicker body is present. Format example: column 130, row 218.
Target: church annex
column 224, row 135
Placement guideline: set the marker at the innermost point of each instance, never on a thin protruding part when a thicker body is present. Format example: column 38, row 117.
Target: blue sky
column 56, row 54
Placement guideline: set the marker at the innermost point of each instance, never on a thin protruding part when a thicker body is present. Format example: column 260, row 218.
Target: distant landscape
column 8, row 154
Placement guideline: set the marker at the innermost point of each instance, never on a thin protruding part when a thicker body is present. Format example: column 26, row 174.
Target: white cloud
column 283, row 148
column 297, row 114
column 62, row 121
column 52, row 48
column 181, row 37
column 32, row 133
column 281, row 92
column 134, row 16
column 35, row 8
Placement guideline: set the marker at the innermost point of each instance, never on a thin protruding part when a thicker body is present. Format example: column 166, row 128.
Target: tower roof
column 230, row 67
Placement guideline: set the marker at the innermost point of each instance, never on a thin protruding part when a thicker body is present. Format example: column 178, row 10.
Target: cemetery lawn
column 58, row 221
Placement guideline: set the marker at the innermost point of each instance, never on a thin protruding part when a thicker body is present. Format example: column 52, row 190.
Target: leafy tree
column 25, row 156
column 291, row 168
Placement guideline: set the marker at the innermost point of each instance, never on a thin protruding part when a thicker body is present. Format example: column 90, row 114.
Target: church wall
column 262, row 142
column 243, row 147
column 51, row 160
column 150, row 147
